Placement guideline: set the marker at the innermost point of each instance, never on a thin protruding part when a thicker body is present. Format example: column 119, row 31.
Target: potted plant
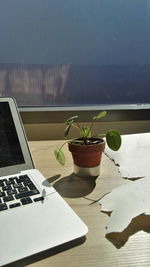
column 87, row 148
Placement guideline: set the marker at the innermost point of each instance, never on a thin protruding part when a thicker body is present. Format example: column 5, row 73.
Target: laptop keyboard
column 18, row 191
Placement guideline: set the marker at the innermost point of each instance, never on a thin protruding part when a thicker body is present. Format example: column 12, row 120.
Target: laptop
column 33, row 216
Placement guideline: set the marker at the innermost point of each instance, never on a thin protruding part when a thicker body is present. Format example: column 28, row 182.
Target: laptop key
column 13, row 178
column 3, row 206
column 31, row 186
column 9, row 182
column 2, row 194
column 11, row 192
column 1, row 183
column 4, row 180
column 27, row 194
column 27, row 183
column 17, row 185
column 24, row 178
column 38, row 199
column 8, row 198
column 14, row 205
column 7, row 187
column 23, row 189
column 18, row 180
column 26, row 200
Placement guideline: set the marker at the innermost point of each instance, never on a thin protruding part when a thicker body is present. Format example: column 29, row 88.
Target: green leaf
column 88, row 132
column 59, row 155
column 67, row 130
column 81, row 132
column 100, row 115
column 113, row 139
column 71, row 120
column 85, row 132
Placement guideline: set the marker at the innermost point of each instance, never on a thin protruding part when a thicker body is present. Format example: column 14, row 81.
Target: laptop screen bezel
column 28, row 163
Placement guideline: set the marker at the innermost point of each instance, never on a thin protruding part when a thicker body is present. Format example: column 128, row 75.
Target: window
column 75, row 52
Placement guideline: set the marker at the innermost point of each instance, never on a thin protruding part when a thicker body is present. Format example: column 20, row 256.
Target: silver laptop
column 33, row 216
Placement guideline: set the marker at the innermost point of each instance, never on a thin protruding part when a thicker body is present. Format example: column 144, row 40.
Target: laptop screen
column 10, row 149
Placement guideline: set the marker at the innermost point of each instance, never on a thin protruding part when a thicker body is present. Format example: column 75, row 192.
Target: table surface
column 130, row 248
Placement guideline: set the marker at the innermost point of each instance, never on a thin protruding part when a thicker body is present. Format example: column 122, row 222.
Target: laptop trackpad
column 32, row 229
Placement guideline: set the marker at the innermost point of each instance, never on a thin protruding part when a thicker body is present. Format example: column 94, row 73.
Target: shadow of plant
column 73, row 186
column 47, row 182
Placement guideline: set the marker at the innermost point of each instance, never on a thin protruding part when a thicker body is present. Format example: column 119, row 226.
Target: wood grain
column 130, row 248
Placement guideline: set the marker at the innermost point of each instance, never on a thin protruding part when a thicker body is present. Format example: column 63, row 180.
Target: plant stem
column 63, row 145
column 90, row 128
column 76, row 126
column 78, row 141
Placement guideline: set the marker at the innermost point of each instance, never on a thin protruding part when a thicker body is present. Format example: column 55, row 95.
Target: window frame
column 38, row 115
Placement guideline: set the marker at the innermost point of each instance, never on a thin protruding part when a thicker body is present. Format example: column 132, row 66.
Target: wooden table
column 96, row 250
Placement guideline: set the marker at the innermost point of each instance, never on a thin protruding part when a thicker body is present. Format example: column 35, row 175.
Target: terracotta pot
column 87, row 158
